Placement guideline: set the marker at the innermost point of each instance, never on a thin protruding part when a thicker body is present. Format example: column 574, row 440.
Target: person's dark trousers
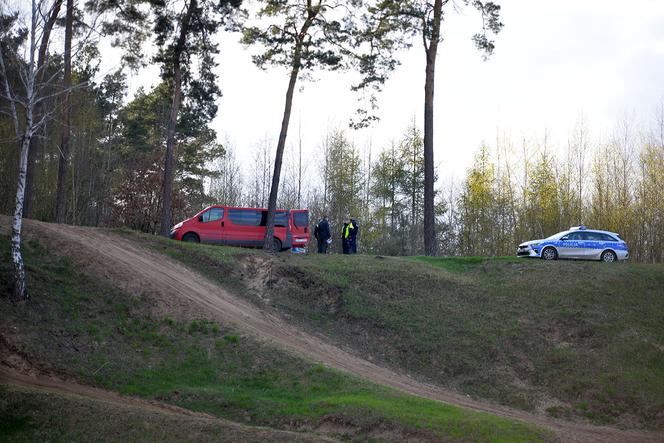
column 322, row 246
column 346, row 246
column 353, row 246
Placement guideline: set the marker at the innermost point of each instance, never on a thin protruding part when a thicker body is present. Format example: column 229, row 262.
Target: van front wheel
column 191, row 237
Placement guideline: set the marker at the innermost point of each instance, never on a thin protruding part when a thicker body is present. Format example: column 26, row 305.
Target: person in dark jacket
column 322, row 234
column 353, row 235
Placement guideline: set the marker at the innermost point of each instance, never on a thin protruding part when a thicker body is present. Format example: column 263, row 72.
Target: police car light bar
column 577, row 228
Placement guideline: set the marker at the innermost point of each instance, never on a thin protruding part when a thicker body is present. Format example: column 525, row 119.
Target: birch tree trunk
column 20, row 286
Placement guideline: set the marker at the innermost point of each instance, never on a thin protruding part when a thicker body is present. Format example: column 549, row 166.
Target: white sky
column 553, row 61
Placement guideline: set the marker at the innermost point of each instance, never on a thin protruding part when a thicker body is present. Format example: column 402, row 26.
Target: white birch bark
column 20, row 287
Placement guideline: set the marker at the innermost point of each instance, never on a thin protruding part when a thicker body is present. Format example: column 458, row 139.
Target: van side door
column 243, row 227
column 210, row 226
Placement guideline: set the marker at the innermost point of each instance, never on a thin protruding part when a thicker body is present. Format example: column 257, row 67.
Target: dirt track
column 227, row 430
column 126, row 264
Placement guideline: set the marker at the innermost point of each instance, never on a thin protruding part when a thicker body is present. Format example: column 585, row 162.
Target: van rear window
column 280, row 219
column 301, row 219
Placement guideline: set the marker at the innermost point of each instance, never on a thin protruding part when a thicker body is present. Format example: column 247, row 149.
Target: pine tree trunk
column 61, row 196
column 429, row 215
column 28, row 207
column 169, row 166
column 41, row 69
column 268, row 242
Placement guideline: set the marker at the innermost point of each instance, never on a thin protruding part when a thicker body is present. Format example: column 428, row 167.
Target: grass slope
column 572, row 339
column 30, row 416
column 75, row 324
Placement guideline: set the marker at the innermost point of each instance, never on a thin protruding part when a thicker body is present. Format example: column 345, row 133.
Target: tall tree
column 303, row 35
column 177, row 51
column 22, row 97
column 196, row 24
column 41, row 61
column 424, row 18
column 60, row 202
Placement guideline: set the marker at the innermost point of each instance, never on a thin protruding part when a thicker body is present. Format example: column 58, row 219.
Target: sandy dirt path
column 52, row 385
column 124, row 259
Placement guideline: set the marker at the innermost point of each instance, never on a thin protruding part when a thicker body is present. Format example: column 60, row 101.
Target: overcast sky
column 553, row 62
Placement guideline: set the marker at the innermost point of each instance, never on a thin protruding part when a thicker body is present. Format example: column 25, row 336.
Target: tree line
column 514, row 190
column 127, row 162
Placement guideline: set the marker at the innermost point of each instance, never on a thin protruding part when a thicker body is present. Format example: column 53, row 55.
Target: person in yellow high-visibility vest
column 349, row 236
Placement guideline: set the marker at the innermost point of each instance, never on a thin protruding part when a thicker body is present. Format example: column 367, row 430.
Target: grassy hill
column 78, row 326
column 577, row 340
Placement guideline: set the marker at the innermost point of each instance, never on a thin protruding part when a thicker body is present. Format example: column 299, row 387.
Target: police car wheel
column 549, row 254
column 608, row 257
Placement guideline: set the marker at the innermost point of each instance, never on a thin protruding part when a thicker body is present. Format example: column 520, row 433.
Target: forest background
column 517, row 188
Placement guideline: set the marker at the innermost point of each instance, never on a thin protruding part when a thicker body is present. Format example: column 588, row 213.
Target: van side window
column 301, row 219
column 244, row 217
column 280, row 218
column 216, row 214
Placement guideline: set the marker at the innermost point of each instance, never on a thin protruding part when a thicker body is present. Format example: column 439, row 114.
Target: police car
column 577, row 243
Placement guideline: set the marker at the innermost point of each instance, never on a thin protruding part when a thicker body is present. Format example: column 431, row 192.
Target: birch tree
column 23, row 96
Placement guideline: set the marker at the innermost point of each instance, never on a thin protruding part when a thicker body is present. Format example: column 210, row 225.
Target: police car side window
column 574, row 236
column 607, row 237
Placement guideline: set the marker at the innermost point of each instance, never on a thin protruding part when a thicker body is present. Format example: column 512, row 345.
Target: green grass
column 460, row 264
column 31, row 416
column 580, row 340
column 78, row 325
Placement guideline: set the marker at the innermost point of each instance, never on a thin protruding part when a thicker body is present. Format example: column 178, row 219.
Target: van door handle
column 222, row 224
column 306, row 230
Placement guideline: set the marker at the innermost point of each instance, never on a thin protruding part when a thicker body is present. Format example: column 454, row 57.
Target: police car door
column 594, row 245
column 587, row 244
column 570, row 246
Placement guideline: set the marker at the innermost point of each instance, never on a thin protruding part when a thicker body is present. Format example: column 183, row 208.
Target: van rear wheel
column 276, row 244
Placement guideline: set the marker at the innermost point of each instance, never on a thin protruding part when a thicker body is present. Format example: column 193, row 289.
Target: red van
column 244, row 227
